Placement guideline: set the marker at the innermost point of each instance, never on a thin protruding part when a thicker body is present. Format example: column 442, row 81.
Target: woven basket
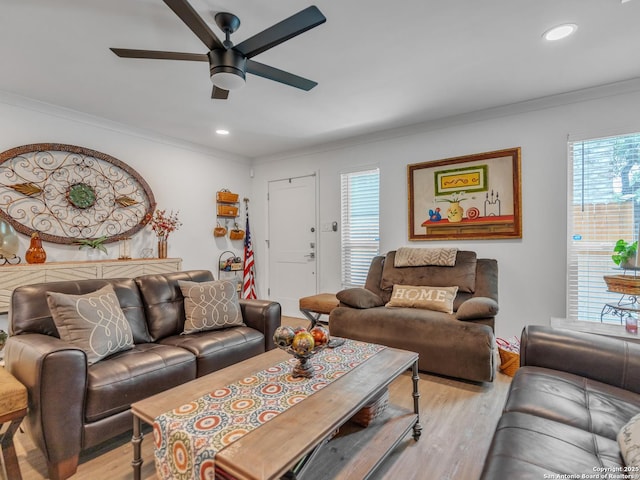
column 236, row 234
column 373, row 410
column 509, row 361
column 227, row 211
column 226, row 196
column 625, row 284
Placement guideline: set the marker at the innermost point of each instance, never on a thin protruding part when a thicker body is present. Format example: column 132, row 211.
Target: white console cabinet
column 13, row 276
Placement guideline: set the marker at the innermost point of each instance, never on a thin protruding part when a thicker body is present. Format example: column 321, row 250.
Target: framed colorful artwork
column 472, row 197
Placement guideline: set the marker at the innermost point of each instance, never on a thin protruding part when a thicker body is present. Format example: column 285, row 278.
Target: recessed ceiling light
column 559, row 32
column 222, row 131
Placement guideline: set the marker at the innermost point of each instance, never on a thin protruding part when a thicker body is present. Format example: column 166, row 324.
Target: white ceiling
column 378, row 67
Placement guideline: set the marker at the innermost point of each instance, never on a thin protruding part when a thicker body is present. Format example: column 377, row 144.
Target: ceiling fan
column 228, row 63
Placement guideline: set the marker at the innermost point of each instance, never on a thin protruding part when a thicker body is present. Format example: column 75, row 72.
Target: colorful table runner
column 187, row 437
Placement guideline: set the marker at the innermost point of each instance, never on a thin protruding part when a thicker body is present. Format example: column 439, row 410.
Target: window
column 604, row 206
column 360, row 206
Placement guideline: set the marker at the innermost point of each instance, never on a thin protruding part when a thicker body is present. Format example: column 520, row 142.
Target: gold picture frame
column 474, row 197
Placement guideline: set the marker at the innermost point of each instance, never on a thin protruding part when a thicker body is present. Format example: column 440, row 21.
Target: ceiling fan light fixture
column 560, row 31
column 228, row 80
column 227, row 69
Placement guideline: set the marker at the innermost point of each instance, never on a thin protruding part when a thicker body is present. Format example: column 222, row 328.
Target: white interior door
column 292, row 241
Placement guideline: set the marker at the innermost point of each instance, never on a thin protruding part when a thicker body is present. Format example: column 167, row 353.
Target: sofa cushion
column 93, row 322
column 126, row 377
column 218, row 349
column 477, row 307
column 445, row 345
column 528, row 447
column 439, row 299
column 210, row 305
column 163, row 300
column 30, row 311
column 462, row 275
column 359, row 298
column 574, row 400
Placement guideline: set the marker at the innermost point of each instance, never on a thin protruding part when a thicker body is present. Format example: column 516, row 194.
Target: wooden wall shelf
column 13, row 276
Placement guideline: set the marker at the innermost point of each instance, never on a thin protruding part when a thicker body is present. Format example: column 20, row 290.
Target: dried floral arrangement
column 163, row 224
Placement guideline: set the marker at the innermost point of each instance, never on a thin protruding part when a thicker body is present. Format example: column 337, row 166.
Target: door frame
column 316, row 176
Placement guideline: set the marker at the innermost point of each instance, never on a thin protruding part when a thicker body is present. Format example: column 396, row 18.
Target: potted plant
column 624, row 254
column 93, row 246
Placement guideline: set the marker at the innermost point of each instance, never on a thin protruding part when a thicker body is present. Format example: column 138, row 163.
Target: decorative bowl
column 303, row 345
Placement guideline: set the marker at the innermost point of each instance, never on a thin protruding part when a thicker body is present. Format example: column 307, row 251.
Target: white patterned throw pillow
column 93, row 322
column 439, row 299
column 629, row 441
column 210, row 305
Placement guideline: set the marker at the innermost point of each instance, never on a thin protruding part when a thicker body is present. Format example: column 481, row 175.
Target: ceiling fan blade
column 219, row 93
column 271, row 73
column 195, row 22
column 296, row 24
column 159, row 55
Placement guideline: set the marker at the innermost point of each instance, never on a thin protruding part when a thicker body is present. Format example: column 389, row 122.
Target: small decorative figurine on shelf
column 35, row 252
column 163, row 224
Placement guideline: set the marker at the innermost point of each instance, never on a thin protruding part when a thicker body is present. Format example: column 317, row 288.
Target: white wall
column 182, row 177
column 532, row 278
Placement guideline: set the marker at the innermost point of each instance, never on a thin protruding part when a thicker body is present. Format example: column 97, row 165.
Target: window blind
column 603, row 206
column 360, row 240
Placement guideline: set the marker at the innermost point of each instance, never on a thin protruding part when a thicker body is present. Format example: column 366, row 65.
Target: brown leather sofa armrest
column 263, row 315
column 55, row 374
column 610, row 360
column 477, row 307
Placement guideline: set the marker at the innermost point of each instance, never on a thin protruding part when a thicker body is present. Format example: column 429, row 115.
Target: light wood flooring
column 457, row 417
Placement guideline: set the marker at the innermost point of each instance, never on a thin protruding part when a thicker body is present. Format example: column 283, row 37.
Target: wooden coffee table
column 274, row 448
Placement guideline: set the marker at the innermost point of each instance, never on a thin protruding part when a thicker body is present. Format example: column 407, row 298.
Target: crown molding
column 52, row 110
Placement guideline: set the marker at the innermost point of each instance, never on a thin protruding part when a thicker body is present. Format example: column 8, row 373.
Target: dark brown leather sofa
column 461, row 344
column 569, row 399
column 73, row 406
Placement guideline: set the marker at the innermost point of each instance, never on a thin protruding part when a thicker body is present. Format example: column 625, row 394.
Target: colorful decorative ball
column 303, row 343
column 283, row 336
column 320, row 335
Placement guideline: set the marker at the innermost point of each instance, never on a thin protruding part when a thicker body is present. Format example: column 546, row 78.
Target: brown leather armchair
column 459, row 344
column 74, row 406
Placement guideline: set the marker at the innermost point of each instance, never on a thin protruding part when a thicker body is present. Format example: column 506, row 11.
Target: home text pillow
column 93, row 322
column 629, row 441
column 210, row 305
column 439, row 299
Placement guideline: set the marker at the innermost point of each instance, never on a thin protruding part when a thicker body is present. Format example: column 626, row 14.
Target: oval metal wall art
column 69, row 193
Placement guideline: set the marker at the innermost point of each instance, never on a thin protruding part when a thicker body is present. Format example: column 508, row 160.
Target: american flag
column 248, row 279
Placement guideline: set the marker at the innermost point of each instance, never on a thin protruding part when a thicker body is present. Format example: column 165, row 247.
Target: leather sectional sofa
column 460, row 344
column 566, row 405
column 74, row 406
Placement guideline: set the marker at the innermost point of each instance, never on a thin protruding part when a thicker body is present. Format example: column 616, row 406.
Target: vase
column 162, row 247
column 35, row 252
column 630, row 263
column 455, row 212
